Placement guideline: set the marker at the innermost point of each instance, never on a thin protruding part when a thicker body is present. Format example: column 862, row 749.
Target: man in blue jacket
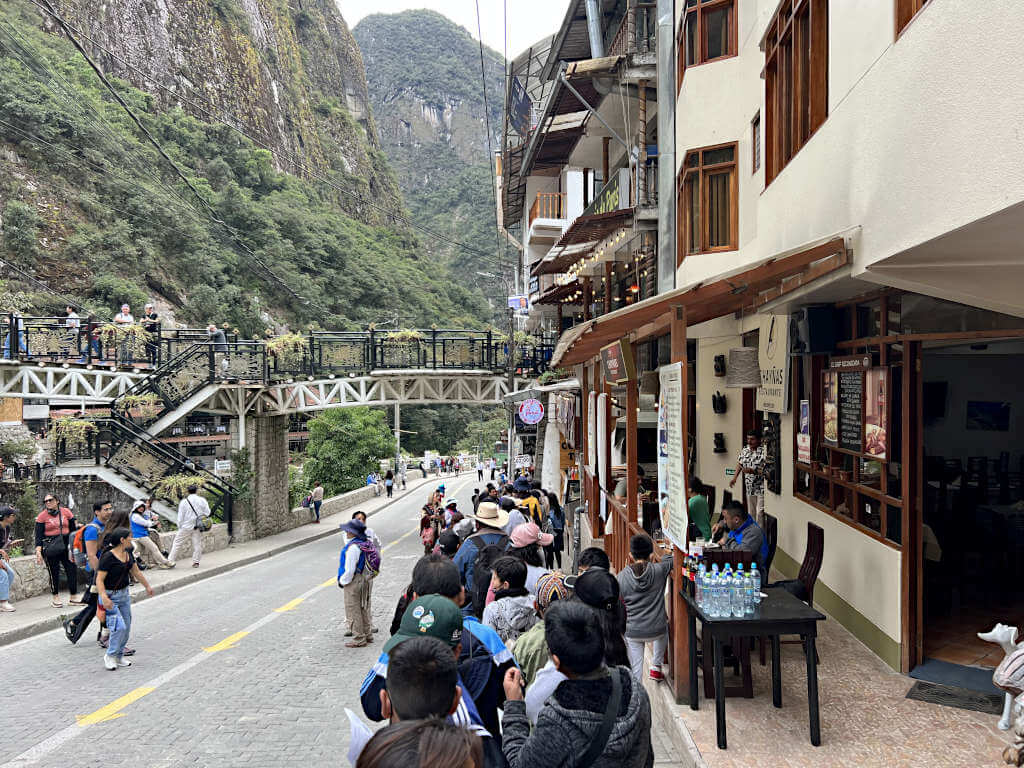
column 490, row 519
column 744, row 534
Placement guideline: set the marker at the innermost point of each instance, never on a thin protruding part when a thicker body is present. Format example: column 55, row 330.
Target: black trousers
column 53, row 566
column 84, row 617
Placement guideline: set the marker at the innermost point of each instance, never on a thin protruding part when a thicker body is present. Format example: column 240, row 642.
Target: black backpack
column 486, row 555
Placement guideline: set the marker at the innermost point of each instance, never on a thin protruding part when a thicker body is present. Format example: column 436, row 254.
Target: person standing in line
column 54, row 526
column 358, row 564
column 117, row 567
column 751, row 465
column 7, row 541
column 316, row 498
column 190, row 509
column 531, row 648
column 75, row 627
column 151, row 325
column 123, row 319
column 142, row 521
column 372, row 537
column 479, row 471
column 389, row 483
column 642, row 586
column 556, row 515
column 512, row 612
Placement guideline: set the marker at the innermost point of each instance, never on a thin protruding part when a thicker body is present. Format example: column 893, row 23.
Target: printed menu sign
column 830, row 402
column 851, row 410
column 674, row 513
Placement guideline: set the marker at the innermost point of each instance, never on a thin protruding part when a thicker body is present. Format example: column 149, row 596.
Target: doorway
column 972, row 500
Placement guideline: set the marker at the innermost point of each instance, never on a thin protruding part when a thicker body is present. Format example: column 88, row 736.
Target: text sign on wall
column 617, row 361
column 674, row 516
column 611, row 196
column 773, row 360
column 592, row 432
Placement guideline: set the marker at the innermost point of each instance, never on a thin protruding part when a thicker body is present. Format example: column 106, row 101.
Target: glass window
column 715, row 23
column 708, row 199
column 709, row 31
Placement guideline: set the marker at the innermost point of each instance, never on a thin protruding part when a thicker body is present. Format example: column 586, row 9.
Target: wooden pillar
column 632, row 484
column 605, row 142
column 588, row 297
column 607, row 287
column 558, row 316
column 680, row 649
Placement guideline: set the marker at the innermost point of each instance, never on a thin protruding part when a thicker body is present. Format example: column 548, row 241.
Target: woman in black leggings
column 54, row 527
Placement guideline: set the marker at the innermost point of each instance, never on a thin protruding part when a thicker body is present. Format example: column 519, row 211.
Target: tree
column 483, row 433
column 345, row 444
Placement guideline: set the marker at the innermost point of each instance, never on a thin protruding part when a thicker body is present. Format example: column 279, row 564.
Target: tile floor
column 955, row 639
column 866, row 719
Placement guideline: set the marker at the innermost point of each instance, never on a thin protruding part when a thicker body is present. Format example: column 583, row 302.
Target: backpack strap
column 605, row 731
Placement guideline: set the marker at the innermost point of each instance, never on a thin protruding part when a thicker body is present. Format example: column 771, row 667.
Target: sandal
column 56, row 603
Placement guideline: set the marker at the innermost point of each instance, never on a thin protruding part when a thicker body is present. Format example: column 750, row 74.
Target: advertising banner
column 773, row 360
column 675, row 517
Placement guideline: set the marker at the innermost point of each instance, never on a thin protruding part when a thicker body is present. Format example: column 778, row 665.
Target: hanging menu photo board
column 851, row 410
column 831, row 408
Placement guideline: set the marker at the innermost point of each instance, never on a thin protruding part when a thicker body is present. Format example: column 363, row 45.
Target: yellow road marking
column 227, row 642
column 330, row 581
column 111, row 710
column 289, row 606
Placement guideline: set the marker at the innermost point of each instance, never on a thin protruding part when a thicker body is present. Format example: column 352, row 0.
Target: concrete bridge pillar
column 266, row 437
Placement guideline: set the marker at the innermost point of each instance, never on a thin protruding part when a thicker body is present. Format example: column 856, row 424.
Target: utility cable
column 232, row 122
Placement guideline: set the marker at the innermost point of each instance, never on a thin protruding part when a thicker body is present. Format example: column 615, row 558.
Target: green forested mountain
column 89, row 207
column 425, row 87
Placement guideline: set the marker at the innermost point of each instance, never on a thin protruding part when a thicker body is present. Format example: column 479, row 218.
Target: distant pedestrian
column 117, row 567
column 54, row 526
column 73, row 324
column 556, row 515
column 642, row 586
column 220, row 345
column 7, row 574
column 402, row 473
column 151, row 325
column 316, row 499
column 358, row 564
column 479, row 471
column 494, row 468
column 190, row 510
column 423, row 469
column 123, row 319
column 143, row 521
column 389, row 483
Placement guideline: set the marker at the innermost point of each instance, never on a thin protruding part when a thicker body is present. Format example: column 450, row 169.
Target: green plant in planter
column 288, row 348
column 553, row 375
column 173, row 488
column 144, row 406
column 74, row 430
column 404, row 335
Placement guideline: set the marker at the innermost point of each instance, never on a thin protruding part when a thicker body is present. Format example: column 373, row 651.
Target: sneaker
column 128, row 652
column 348, row 633
column 109, row 662
column 69, row 630
column 6, row 607
column 56, row 603
column 123, row 663
column 656, row 675
column 75, row 601
column 195, row 565
column 354, row 644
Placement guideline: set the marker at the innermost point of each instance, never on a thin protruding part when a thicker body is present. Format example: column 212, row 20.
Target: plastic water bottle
column 737, row 591
column 716, row 594
column 755, row 576
column 748, row 594
column 699, row 591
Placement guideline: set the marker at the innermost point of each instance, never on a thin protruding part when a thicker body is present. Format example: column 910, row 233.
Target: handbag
column 605, row 730
column 203, row 522
column 54, row 546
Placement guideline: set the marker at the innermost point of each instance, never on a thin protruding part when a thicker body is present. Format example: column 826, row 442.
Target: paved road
column 245, row 669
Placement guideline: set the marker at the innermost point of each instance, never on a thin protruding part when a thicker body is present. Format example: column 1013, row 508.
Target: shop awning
column 581, row 238
column 566, row 385
column 556, row 293
column 704, row 301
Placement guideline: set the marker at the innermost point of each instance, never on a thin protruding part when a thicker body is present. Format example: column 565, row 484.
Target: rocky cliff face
column 286, row 72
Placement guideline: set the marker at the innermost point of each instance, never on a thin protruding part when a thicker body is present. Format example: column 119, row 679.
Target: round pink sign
column 531, row 411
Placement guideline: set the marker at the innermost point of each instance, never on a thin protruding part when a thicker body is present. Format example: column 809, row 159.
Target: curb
column 55, row 622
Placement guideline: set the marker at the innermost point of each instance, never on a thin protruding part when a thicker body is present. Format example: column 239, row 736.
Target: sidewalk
column 35, row 615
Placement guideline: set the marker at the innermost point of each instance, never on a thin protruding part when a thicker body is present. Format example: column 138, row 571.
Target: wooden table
column 779, row 613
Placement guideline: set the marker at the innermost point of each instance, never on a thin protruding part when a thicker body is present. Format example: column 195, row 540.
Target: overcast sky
column 528, row 20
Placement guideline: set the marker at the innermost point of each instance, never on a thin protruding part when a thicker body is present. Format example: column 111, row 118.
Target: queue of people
column 497, row 659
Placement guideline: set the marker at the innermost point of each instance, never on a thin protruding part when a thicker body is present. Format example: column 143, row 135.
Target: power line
column 487, row 128
column 167, row 158
column 234, row 122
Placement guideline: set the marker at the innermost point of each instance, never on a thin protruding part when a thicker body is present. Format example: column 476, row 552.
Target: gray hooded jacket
column 510, row 616
column 569, row 721
column 644, row 596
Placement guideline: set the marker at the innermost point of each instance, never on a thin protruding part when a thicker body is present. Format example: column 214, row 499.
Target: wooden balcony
column 548, row 205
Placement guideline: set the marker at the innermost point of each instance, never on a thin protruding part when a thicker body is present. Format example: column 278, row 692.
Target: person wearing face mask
column 54, row 526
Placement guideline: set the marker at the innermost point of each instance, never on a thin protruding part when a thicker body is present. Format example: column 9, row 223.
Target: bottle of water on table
column 748, row 594
column 755, row 576
column 737, row 591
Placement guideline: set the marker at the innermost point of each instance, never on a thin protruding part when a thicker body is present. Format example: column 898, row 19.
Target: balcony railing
column 637, row 32
column 548, row 205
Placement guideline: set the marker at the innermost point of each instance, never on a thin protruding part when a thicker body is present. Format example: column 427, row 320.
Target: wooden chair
column 810, row 567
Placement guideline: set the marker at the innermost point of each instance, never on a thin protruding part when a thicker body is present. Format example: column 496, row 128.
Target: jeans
column 390, row 488
column 6, row 579
column 179, row 539
column 635, row 649
column 122, row 600
column 316, row 508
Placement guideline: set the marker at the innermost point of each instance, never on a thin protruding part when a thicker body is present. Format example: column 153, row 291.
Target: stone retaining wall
column 33, row 579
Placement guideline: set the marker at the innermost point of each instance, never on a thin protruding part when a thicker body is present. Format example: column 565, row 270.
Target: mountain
column 292, row 215
column 426, row 93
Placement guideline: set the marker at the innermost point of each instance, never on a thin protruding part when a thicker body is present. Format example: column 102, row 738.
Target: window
column 755, row 140
column 708, row 32
column 796, row 80
column 708, row 201
column 906, row 10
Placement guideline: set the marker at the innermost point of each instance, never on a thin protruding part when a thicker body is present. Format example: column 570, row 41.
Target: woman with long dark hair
column 389, row 483
column 556, row 515
column 117, row 566
column 422, row 744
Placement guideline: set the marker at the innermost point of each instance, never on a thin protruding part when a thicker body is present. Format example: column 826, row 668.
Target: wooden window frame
column 906, row 11
column 755, row 143
column 796, row 81
column 701, row 8
column 701, row 171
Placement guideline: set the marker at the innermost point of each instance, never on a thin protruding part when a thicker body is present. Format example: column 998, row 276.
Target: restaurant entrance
column 972, row 514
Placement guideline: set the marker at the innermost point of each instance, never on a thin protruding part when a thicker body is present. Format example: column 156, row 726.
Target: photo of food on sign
column 874, row 416
column 831, row 408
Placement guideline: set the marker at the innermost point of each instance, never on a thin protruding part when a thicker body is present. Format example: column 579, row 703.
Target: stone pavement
column 866, row 719
column 35, row 614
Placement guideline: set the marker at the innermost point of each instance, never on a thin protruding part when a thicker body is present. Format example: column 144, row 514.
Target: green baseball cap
column 429, row 616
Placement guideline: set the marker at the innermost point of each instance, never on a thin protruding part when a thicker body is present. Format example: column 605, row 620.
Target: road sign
column 523, row 460
column 531, row 411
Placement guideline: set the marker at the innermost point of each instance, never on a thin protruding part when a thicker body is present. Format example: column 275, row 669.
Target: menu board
column 851, row 410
